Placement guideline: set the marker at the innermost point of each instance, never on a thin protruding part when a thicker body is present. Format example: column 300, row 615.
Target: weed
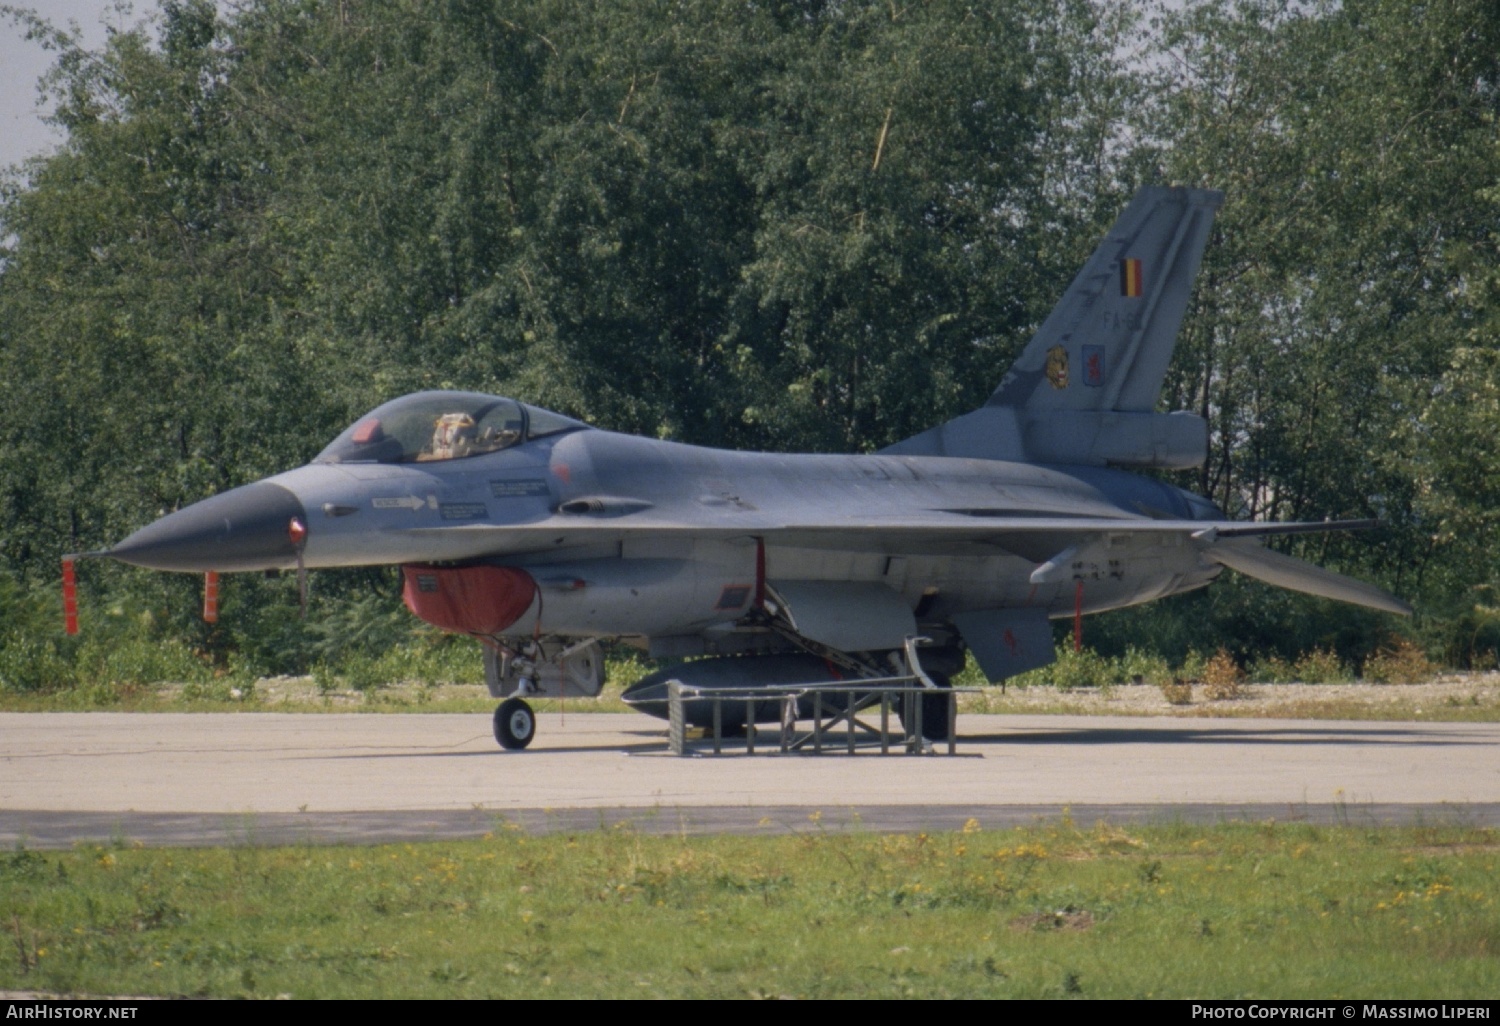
column 447, row 973
column 222, row 690
column 1067, row 918
column 1401, row 662
column 1140, row 667
column 1273, row 669
column 26, row 957
column 1072, row 668
column 30, row 664
column 1322, row 666
column 22, row 864
column 1081, row 669
column 1222, row 677
column 1177, row 692
column 325, row 680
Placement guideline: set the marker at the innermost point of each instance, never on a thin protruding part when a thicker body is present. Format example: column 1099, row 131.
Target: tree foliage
column 1350, row 288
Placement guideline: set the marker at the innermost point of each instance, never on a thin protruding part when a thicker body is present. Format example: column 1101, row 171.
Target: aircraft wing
column 938, row 526
column 1222, row 542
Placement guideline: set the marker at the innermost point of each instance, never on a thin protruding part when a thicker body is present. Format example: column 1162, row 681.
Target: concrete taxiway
column 168, row 778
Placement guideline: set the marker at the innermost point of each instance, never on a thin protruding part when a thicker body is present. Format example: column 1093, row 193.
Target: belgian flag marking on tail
column 1130, row 277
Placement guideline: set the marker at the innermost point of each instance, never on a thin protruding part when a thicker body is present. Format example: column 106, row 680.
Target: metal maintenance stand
column 858, row 697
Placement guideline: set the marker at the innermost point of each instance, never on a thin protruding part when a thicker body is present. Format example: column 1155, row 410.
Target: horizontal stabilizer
column 1295, row 575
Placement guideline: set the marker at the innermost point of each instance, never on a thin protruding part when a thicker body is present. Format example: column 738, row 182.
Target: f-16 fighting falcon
column 542, row 536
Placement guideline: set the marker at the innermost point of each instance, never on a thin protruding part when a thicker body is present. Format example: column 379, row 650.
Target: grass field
column 1169, row 911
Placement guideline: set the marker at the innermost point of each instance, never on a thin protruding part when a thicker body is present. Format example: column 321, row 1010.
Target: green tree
column 1356, row 144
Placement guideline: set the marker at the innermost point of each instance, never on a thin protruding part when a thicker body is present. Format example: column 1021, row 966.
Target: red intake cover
column 468, row 600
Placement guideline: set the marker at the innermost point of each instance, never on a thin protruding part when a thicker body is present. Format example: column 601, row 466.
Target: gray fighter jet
column 542, row 536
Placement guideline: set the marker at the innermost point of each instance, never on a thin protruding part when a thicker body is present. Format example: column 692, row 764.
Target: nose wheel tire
column 515, row 724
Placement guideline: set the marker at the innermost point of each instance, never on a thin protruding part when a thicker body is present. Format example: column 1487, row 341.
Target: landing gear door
column 1006, row 642
column 546, row 669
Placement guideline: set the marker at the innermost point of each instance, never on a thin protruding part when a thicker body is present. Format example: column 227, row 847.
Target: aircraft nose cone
column 246, row 528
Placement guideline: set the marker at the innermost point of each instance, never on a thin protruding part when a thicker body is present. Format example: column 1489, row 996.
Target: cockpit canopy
column 431, row 426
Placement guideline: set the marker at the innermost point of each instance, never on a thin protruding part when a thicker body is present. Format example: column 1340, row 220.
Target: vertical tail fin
column 1085, row 387
column 1107, row 344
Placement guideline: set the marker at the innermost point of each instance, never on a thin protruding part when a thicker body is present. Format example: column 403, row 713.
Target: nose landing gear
column 537, row 668
column 515, row 724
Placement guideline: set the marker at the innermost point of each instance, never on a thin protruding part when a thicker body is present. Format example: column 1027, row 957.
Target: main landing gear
column 934, row 704
column 515, row 724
